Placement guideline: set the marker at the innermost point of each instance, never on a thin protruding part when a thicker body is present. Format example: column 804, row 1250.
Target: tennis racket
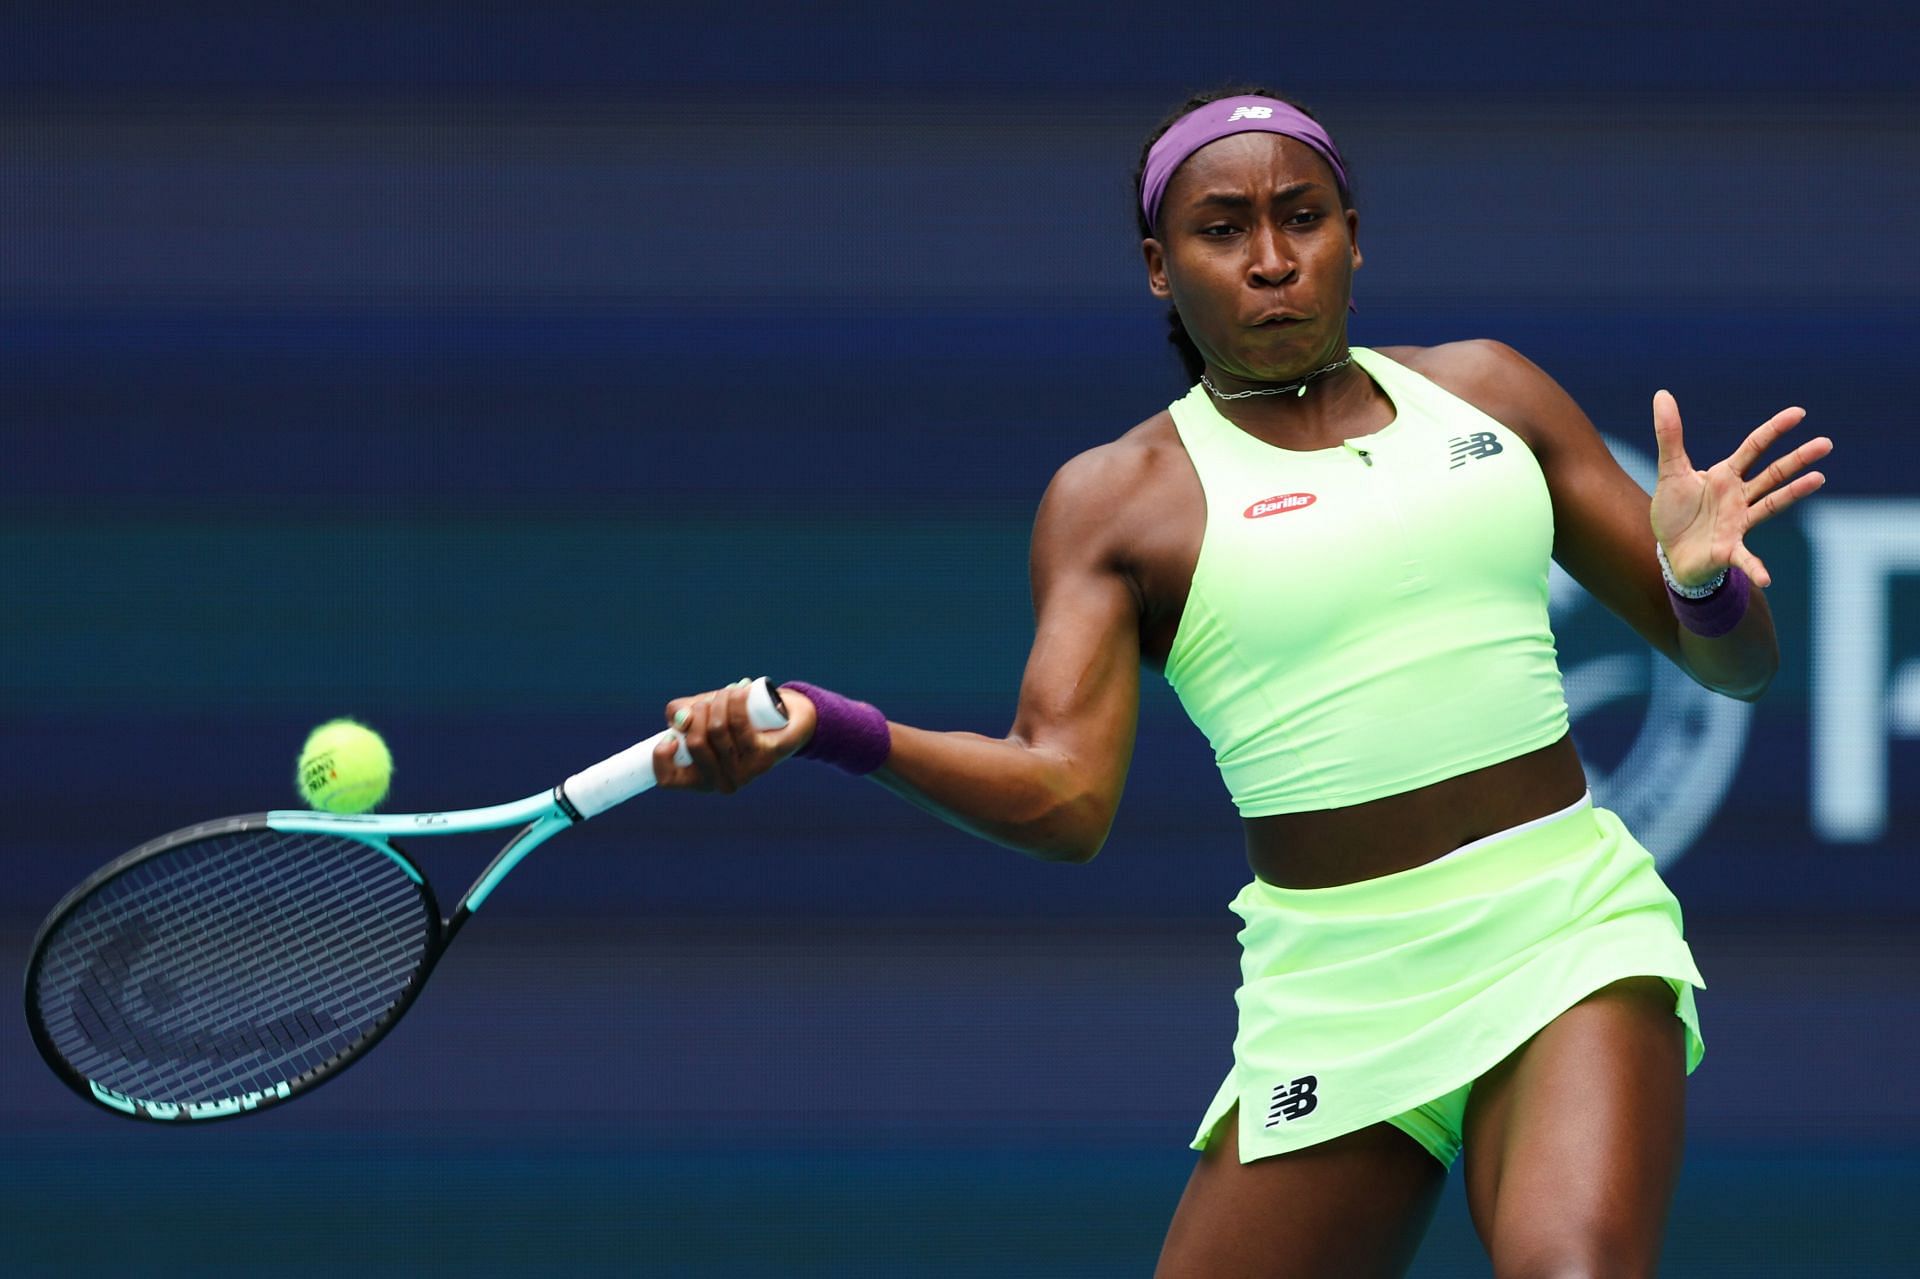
column 236, row 964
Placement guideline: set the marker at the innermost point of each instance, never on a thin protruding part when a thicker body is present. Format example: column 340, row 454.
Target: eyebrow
column 1233, row 200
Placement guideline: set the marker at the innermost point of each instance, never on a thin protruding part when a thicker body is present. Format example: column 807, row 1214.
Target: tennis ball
column 344, row 768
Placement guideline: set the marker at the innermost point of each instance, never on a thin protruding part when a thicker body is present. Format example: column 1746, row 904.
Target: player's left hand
column 1702, row 517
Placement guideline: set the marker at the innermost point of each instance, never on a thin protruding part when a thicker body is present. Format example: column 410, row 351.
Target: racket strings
column 231, row 965
column 283, row 936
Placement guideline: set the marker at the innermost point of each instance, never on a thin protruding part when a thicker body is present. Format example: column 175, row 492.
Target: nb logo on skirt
column 1292, row 1100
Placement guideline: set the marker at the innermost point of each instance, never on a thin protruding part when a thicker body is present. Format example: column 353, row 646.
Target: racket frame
column 540, row 817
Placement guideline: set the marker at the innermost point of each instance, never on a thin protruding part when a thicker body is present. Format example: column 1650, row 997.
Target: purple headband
column 1221, row 119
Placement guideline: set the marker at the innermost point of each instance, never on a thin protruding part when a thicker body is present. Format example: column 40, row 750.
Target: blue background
column 493, row 374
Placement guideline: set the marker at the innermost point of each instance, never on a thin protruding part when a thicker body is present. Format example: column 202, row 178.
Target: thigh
column 1354, row 1206
column 1573, row 1143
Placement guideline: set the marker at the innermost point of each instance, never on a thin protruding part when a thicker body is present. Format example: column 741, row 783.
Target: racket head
column 227, row 967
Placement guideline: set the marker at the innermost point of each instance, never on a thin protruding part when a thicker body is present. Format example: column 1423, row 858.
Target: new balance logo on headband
column 1250, row 113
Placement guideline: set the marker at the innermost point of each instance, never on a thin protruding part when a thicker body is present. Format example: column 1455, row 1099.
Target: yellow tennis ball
column 344, row 768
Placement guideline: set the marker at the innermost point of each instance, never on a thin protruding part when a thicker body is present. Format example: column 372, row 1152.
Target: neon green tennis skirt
column 1385, row 999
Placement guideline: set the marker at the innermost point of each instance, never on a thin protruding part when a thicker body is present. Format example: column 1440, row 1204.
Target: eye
column 1219, row 228
column 1304, row 217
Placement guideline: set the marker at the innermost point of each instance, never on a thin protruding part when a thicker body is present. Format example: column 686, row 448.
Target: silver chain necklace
column 1298, row 388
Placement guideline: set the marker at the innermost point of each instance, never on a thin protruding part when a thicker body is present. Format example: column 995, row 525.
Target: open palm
column 1702, row 517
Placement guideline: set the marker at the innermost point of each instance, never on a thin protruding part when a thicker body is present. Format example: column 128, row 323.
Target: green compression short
column 1384, row 1000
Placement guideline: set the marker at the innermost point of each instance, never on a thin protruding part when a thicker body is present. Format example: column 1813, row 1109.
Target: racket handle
column 618, row 778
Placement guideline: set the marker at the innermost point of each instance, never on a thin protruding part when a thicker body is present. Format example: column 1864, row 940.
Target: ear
column 1353, row 236
column 1156, row 269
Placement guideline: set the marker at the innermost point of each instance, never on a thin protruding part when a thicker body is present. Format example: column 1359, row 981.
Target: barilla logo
column 1279, row 505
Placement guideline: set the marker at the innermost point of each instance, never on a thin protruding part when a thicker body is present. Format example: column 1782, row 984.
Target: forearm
column 1024, row 797
column 1740, row 663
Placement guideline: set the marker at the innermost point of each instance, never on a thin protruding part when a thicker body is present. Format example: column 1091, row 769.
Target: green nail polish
column 680, row 717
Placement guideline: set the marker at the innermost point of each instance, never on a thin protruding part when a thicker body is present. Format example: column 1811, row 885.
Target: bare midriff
column 1398, row 832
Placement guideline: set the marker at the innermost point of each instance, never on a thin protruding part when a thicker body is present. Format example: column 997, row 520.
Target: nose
column 1269, row 261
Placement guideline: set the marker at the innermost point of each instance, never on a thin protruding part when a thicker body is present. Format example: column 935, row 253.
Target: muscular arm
column 1603, row 536
column 1050, row 787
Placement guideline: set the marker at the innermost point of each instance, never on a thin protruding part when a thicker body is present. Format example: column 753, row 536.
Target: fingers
column 1782, row 469
column 1740, row 504
column 1762, row 437
column 1774, row 503
column 669, row 773
column 1765, row 495
column 710, row 740
column 1750, row 564
column 1769, row 493
column 1666, row 434
column 717, row 733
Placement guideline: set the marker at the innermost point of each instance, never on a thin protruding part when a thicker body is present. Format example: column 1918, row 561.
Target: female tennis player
column 1338, row 557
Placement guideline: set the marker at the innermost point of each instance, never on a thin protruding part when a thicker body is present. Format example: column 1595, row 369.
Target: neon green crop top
column 1369, row 618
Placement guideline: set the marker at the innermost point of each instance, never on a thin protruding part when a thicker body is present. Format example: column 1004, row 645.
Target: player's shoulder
column 1109, row 485
column 1474, row 369
column 1491, row 376
column 1121, row 466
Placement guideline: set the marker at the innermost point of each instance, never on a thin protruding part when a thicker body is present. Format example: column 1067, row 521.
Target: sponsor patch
column 1279, row 505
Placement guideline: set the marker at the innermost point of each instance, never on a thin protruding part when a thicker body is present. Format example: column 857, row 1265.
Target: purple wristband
column 1718, row 613
column 852, row 736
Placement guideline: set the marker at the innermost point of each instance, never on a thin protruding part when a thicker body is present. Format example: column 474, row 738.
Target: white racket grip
column 618, row 778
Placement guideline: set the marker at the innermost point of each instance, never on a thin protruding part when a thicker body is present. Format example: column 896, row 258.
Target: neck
column 1236, row 388
column 1331, row 402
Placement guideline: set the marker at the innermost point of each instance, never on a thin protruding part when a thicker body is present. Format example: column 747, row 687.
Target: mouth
column 1279, row 320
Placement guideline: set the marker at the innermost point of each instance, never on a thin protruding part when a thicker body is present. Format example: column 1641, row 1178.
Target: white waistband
column 1585, row 801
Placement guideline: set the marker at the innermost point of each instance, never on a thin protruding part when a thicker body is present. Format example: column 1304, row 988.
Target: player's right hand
column 727, row 750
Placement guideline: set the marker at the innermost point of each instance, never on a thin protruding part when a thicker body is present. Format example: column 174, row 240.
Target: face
column 1256, row 252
